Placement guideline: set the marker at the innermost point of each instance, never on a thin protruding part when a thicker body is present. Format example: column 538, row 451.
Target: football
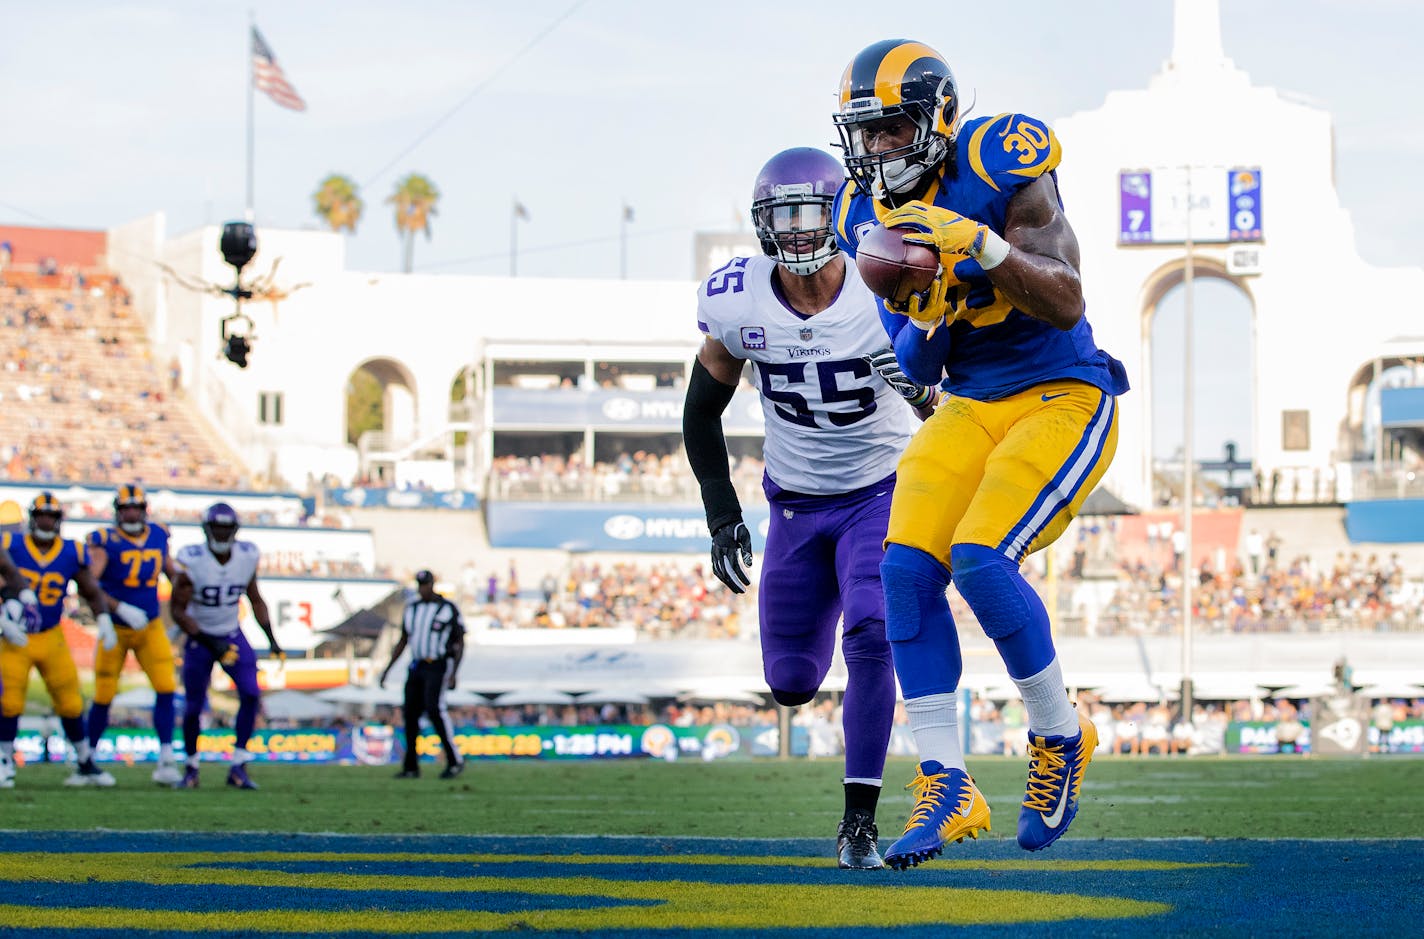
column 893, row 269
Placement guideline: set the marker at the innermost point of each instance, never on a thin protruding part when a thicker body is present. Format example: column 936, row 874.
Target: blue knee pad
column 1007, row 608
column 994, row 589
column 918, row 622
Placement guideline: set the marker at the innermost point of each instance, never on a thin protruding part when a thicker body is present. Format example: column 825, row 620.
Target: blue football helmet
column 130, row 495
column 220, row 526
column 897, row 78
column 45, row 506
column 791, row 208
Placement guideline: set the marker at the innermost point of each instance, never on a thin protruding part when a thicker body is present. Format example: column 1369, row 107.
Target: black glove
column 223, row 651
column 731, row 551
column 888, row 366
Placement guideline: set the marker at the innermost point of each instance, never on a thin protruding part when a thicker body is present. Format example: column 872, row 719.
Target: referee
column 431, row 628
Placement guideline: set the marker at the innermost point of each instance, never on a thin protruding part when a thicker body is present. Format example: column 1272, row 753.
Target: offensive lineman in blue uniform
column 128, row 559
column 46, row 564
column 1026, row 431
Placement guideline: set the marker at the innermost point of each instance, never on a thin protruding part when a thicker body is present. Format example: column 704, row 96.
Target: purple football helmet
column 220, row 525
column 791, row 208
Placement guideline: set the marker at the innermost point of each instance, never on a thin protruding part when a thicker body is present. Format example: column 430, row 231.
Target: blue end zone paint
column 1250, row 887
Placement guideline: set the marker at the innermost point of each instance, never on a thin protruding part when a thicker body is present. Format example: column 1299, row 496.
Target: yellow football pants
column 1007, row 474
column 150, row 646
column 47, row 652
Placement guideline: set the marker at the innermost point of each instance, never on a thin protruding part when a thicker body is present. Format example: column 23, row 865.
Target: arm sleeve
column 706, row 446
column 921, row 359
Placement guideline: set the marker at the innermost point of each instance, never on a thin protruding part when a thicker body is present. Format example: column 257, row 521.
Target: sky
column 576, row 108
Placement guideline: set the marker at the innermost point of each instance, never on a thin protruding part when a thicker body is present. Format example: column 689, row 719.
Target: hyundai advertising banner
column 602, row 526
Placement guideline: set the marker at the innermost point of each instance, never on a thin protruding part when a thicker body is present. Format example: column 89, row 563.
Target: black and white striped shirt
column 429, row 626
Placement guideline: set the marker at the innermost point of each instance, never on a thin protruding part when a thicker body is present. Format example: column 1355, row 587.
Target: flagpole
column 251, row 86
column 623, row 243
column 514, row 239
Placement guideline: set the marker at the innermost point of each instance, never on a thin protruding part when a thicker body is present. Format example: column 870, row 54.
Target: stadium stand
column 84, row 400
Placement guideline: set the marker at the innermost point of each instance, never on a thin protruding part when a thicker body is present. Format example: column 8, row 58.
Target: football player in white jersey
column 211, row 578
column 836, row 422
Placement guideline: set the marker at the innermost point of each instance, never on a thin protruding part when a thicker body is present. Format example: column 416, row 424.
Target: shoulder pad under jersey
column 1008, row 151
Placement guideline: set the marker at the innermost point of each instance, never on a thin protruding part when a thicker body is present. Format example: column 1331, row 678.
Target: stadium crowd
column 639, row 475
column 1353, row 593
column 83, row 398
column 660, row 600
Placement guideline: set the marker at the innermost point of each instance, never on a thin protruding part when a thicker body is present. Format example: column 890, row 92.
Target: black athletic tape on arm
column 706, row 446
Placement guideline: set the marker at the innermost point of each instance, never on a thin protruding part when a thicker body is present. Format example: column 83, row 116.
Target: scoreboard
column 1211, row 203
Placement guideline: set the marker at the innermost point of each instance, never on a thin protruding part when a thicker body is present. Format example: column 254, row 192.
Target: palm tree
column 415, row 198
column 338, row 202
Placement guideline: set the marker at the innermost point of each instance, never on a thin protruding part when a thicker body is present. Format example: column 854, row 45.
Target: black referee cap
column 424, row 577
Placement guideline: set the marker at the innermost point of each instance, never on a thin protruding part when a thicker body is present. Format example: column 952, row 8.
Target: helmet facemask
column 220, row 526
column 794, row 226
column 44, row 535
column 131, row 522
column 896, row 171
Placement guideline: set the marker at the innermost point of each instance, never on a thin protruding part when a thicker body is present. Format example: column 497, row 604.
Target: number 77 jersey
column 217, row 587
column 133, row 564
column 832, row 423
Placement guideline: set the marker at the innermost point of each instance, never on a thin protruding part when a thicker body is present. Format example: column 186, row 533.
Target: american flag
column 267, row 76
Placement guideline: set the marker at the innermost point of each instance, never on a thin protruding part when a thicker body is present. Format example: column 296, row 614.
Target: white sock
column 240, row 756
column 165, row 753
column 7, row 750
column 1045, row 698
column 864, row 781
column 934, row 720
column 193, row 762
column 82, row 753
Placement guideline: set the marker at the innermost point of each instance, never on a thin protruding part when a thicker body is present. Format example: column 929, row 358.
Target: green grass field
column 1226, row 797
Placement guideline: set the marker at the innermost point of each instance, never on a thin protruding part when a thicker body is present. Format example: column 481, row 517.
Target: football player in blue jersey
column 33, row 639
column 1027, row 429
column 128, row 558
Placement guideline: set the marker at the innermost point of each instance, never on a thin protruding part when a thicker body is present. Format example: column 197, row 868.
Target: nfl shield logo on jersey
column 806, row 334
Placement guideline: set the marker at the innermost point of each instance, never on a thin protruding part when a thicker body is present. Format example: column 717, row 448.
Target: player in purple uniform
column 212, row 578
column 835, row 427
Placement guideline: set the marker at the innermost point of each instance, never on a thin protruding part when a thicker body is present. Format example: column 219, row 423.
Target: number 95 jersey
column 832, row 423
column 217, row 588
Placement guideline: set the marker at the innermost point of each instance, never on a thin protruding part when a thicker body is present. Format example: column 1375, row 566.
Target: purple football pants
column 198, row 665
column 821, row 563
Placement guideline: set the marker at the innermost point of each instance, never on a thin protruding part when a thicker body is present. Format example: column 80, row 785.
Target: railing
column 610, row 488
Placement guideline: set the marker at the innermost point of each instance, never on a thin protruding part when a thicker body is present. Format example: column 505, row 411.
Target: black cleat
column 857, row 843
column 408, row 774
column 453, row 770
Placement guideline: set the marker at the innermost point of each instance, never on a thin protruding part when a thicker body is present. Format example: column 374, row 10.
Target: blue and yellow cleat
column 1055, row 776
column 948, row 807
column 237, row 778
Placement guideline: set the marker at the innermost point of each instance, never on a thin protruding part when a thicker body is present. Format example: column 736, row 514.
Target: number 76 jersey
column 217, row 588
column 832, row 423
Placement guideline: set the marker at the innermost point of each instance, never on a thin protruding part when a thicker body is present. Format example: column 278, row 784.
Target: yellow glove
column 927, row 308
column 951, row 234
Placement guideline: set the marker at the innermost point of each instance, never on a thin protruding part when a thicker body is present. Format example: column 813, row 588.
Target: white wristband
column 994, row 251
column 928, row 326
